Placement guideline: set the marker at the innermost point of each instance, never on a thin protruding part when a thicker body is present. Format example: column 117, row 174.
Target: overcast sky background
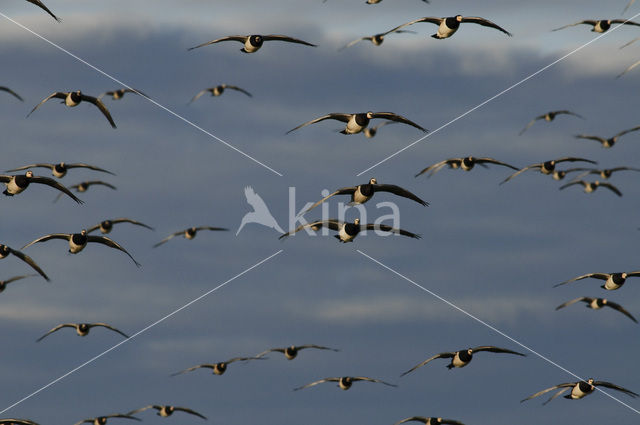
column 495, row 251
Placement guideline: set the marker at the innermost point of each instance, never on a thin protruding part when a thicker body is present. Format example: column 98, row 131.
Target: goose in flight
column 357, row 122
column 607, row 172
column 345, row 382
column 119, row 94
column 4, row 283
column 601, row 25
column 253, row 43
column 466, row 164
column 60, row 169
column 370, row 132
column 84, row 186
column 347, row 232
column 218, row 90
column 448, row 26
column 74, row 98
column 45, row 8
column 364, row 192
column 612, row 280
column 590, row 187
column 596, row 304
column 5, row 251
column 19, row 183
column 463, row 357
column 189, row 233
column 102, row 420
column 547, row 167
column 166, row 410
column 291, row 352
column 260, row 213
column 607, row 143
column 376, row 39
column 429, row 421
column 107, row 225
column 629, row 68
column 17, row 422
column 218, row 368
column 82, row 329
column 549, row 116
column 11, row 92
column 77, row 242
column 579, row 390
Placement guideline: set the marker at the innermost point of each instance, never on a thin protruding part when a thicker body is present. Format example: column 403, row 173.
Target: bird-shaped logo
column 260, row 214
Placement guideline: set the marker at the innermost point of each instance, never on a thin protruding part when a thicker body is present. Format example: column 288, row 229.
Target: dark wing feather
column 52, row 183
column 276, row 37
column 58, row 95
column 397, row 118
column 30, row 262
column 343, row 191
column 494, row 161
column 45, row 8
column 11, row 92
column 588, row 22
column 615, row 387
column 331, row 224
column 57, row 328
column 241, row 90
column 386, row 228
column 493, row 349
column 333, row 116
column 110, row 243
column 573, row 301
column 240, row 38
column 192, row 412
column 100, row 106
column 397, row 190
column 437, row 356
column 611, row 188
column 104, row 325
column 90, row 167
column 485, row 23
column 64, row 236
column 621, row 309
column 539, row 393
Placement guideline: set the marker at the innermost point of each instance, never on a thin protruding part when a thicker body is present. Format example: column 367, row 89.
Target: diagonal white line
column 531, row 350
column 180, row 117
column 480, row 105
column 91, row 360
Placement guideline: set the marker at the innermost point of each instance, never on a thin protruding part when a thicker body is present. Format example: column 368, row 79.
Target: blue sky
column 495, row 251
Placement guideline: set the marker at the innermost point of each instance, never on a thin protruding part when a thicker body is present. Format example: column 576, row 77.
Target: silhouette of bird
column 166, row 410
column 19, row 183
column 189, row 233
column 598, row 303
column 102, row 420
column 218, row 90
column 260, row 213
column 463, row 357
column 607, row 143
column 218, row 368
column 253, row 43
column 612, row 280
column 601, row 25
column 345, row 382
column 82, row 329
column 74, row 98
column 8, row 90
column 466, row 164
column 291, row 352
column 119, row 94
column 547, row 167
column 429, row 421
column 579, row 390
column 549, row 116
column 106, row 225
column 60, row 169
column 590, row 187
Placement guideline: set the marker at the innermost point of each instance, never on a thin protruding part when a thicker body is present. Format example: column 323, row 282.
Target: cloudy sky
column 493, row 251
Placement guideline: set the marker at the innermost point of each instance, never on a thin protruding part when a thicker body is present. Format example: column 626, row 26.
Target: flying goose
column 74, row 98
column 448, row 26
column 364, row 192
column 102, row 420
column 629, row 68
column 166, row 410
column 4, row 283
column 549, row 116
column 463, row 357
column 11, row 92
column 189, row 233
column 291, row 352
column 218, row 368
column 607, row 143
column 19, row 183
column 84, row 186
column 357, row 122
column 17, row 421
column 607, row 172
column 60, row 169
column 106, row 225
column 579, row 390
column 601, row 25
column 253, row 43
column 466, row 164
column 345, row 382
column 612, row 280
column 45, row 8
column 547, row 167
column 429, row 421
column 82, row 329
column 598, row 303
column 590, row 187
column 119, row 94
column 561, row 174
column 218, row 90
column 347, row 232
column 77, row 242
column 5, row 251
column 376, row 39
